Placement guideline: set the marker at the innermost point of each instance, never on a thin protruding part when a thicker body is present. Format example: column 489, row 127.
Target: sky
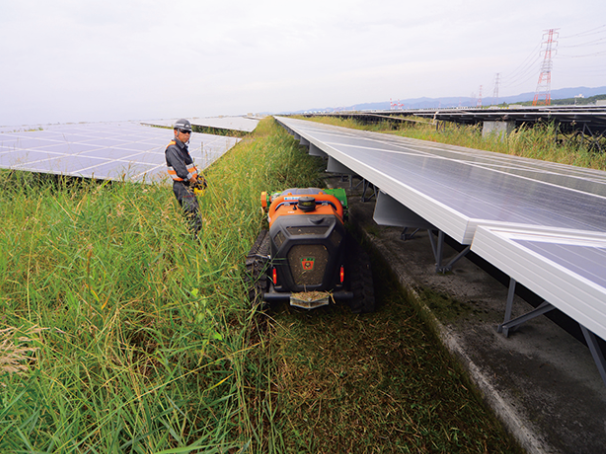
column 75, row 60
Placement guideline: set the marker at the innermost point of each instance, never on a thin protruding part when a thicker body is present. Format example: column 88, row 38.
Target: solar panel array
column 115, row 151
column 456, row 188
column 590, row 119
column 243, row 124
column 462, row 191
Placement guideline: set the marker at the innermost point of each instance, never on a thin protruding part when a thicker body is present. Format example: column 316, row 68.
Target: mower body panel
column 308, row 257
column 306, row 244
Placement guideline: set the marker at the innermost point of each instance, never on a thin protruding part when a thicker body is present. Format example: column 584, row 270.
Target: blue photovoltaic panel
column 17, row 158
column 102, row 150
column 27, row 142
column 149, row 158
column 111, row 153
column 99, row 142
column 64, row 165
column 586, row 261
column 71, row 148
column 142, row 146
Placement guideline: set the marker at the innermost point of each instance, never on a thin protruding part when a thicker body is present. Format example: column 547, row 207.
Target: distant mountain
column 433, row 103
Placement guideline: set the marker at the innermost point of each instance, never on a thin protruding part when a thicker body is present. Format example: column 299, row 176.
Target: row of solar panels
column 115, row 151
column 241, row 124
column 590, row 120
column 543, row 224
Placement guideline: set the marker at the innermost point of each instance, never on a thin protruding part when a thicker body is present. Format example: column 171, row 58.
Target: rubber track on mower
column 361, row 281
column 256, row 264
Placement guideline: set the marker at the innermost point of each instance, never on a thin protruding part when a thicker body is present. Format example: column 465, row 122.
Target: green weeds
column 443, row 306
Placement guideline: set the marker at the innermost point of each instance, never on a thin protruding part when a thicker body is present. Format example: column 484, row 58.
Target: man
column 185, row 176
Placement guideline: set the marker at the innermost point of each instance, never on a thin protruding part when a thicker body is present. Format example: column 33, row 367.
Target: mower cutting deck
column 307, row 257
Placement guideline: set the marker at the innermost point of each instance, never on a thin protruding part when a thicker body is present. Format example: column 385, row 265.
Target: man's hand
column 198, row 183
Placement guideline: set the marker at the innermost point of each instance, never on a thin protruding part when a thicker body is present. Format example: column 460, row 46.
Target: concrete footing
column 500, row 128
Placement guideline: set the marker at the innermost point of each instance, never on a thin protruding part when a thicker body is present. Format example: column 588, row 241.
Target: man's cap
column 183, row 124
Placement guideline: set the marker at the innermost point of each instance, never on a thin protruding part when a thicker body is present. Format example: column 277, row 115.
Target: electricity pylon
column 542, row 95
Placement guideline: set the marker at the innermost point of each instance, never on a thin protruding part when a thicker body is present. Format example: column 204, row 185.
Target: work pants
column 187, row 199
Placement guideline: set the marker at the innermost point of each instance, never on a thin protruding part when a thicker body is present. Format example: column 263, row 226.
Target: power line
column 601, row 40
column 547, row 50
column 593, row 31
column 522, row 82
column 495, row 93
column 583, row 56
column 530, row 71
column 524, row 65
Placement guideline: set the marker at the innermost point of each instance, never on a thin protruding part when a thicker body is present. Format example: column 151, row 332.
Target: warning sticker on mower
column 308, row 263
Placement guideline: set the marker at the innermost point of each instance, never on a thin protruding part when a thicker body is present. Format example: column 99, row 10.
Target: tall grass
column 538, row 142
column 125, row 334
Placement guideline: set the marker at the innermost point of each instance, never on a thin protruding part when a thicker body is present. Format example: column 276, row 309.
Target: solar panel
column 568, row 269
column 234, row 123
column 103, row 150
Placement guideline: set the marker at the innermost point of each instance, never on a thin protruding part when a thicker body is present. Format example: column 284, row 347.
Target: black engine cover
column 307, row 251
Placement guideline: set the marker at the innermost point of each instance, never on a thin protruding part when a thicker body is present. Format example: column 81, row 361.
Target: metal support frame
column 440, row 125
column 368, row 185
column 543, row 308
column 592, row 139
column 334, row 166
column 391, row 212
column 596, row 352
column 408, row 236
column 509, row 324
column 596, row 137
column 438, row 252
column 351, row 181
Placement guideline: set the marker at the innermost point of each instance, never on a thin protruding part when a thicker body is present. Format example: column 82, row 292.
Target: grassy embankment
column 535, row 143
column 120, row 334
